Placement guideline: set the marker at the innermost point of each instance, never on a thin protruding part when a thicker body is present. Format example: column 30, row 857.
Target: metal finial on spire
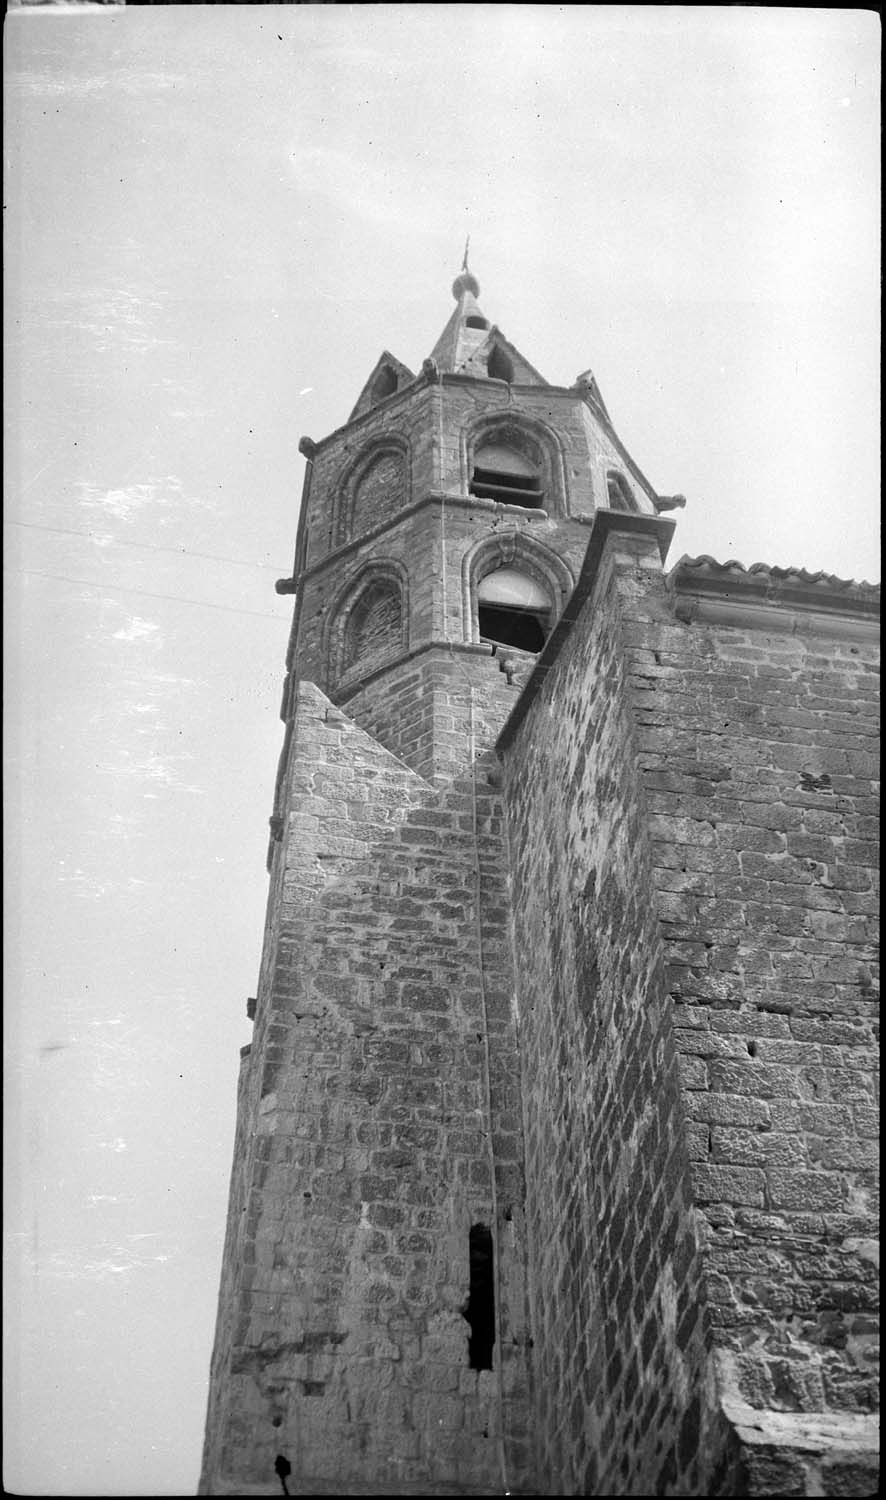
column 465, row 281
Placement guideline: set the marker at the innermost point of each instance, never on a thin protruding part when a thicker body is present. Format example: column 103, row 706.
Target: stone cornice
column 772, row 598
column 345, row 690
column 434, row 497
column 431, row 375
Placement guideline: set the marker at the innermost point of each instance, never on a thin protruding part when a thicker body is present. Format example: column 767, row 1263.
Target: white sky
column 217, row 219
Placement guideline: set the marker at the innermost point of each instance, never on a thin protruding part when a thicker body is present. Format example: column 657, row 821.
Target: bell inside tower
column 513, row 610
column 503, row 473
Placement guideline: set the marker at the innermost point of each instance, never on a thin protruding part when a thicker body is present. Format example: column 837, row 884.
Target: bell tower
column 374, row 1320
column 441, row 533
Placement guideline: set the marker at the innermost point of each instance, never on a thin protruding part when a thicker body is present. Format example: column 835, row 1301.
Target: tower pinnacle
column 465, row 281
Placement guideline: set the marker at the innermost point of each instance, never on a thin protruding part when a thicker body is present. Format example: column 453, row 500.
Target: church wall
column 382, row 1078
column 427, row 709
column 614, row 1265
column 573, row 953
column 225, row 1329
column 758, row 748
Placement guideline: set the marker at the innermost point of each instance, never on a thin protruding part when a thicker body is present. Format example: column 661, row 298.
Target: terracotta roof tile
column 707, row 566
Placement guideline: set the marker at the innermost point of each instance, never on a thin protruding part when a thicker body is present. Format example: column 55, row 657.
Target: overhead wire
column 116, row 588
column 238, row 562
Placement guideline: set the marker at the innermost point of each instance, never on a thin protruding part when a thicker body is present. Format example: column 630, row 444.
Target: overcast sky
column 218, row 217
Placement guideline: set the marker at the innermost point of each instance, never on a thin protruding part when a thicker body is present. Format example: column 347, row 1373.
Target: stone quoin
column 556, row 1159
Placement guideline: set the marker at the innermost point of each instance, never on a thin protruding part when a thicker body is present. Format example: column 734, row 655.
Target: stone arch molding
column 530, row 436
column 355, row 512
column 376, row 598
column 512, row 549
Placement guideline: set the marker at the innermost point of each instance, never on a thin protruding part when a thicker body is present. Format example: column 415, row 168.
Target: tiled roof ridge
column 707, row 564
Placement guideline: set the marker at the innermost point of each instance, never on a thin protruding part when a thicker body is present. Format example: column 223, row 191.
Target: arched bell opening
column 499, row 366
column 513, row 610
column 506, row 473
column 385, row 384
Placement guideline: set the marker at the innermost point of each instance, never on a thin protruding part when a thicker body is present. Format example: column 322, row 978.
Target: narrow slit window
column 479, row 1310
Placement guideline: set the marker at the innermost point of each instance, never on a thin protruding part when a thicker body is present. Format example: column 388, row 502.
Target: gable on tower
column 586, row 384
column 388, row 377
column 499, row 359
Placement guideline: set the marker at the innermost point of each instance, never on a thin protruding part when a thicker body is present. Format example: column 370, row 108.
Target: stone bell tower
column 442, row 530
column 374, row 1317
column 554, row 1169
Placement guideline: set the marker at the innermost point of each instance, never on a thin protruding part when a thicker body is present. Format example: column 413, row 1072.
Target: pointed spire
column 469, row 342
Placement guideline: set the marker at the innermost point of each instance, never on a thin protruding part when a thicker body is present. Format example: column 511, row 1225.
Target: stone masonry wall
column 425, row 709
column 620, row 1377
column 758, row 749
column 382, row 1079
column 228, row 1291
column 374, row 628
